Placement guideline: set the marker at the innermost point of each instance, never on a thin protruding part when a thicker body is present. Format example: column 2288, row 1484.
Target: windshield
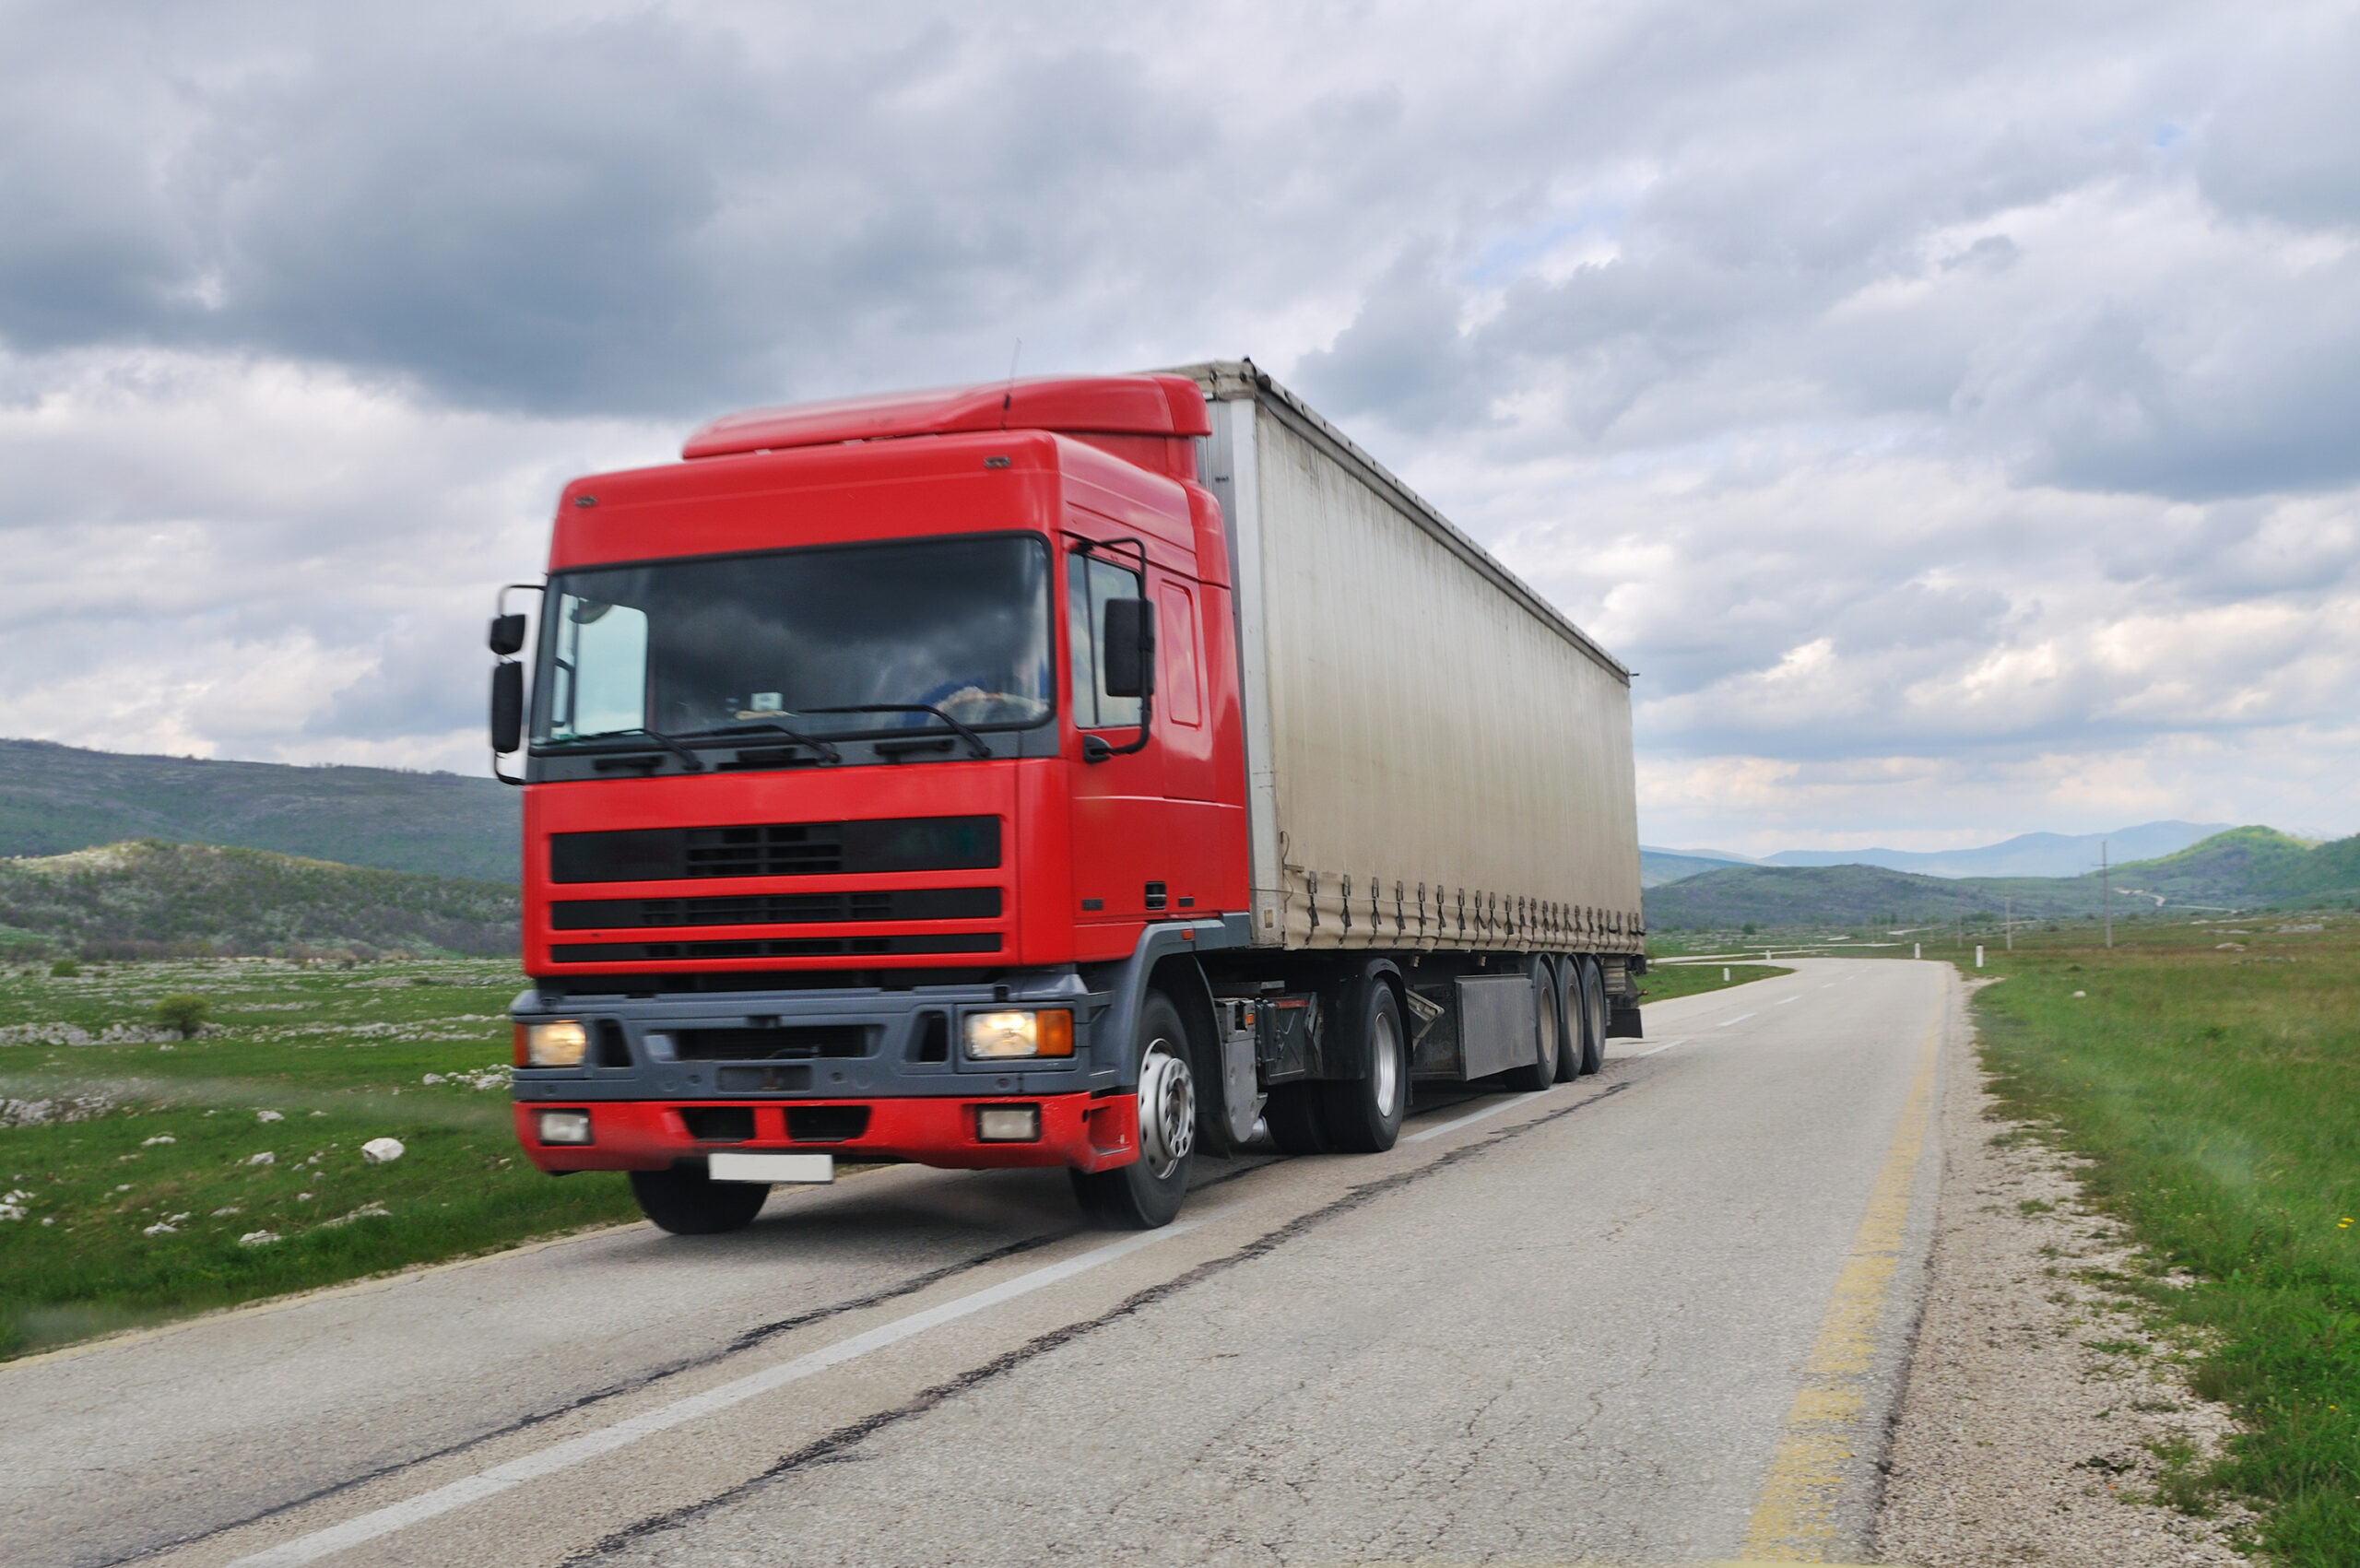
column 689, row 647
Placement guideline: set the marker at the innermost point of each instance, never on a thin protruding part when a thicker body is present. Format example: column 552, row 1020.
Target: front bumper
column 1085, row 1132
column 919, row 1091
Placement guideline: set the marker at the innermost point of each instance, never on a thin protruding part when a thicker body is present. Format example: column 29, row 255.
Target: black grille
column 826, row 1124
column 779, row 849
column 778, row 909
column 773, row 947
column 719, row 1124
column 798, row 1042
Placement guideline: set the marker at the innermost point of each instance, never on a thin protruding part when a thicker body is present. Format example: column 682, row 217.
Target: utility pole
column 2106, row 891
column 2009, row 924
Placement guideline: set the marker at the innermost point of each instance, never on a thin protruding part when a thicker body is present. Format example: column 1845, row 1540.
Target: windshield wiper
column 982, row 747
column 690, row 761
column 797, row 735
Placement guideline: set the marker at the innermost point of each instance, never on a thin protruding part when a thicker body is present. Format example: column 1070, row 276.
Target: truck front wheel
column 1149, row 1191
column 686, row 1202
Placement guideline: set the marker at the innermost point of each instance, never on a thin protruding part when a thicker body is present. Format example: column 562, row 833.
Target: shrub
column 182, row 1012
column 64, row 969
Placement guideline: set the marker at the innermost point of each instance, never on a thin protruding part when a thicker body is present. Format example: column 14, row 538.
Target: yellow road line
column 1794, row 1518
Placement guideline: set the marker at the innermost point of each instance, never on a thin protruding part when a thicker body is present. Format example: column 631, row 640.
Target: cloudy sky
column 1953, row 412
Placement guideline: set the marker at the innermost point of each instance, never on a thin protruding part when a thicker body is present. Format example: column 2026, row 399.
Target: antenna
column 1007, row 398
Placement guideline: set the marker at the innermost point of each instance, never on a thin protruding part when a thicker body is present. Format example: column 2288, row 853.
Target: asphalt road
column 1655, row 1316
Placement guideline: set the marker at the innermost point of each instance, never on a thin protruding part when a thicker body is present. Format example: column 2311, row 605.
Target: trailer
column 1078, row 771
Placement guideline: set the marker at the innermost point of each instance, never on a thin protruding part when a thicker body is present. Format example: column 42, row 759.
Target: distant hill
column 1841, row 896
column 57, row 798
column 1658, row 867
column 2242, row 868
column 154, row 899
column 2026, row 854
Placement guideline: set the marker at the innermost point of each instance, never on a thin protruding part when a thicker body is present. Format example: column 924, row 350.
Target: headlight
column 559, row 1044
column 1025, row 1032
column 565, row 1126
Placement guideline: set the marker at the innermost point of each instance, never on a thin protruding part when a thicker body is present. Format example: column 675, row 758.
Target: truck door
column 1122, row 865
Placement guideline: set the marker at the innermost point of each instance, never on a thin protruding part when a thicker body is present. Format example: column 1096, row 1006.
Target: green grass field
column 2212, row 1074
column 129, row 1178
column 1662, row 982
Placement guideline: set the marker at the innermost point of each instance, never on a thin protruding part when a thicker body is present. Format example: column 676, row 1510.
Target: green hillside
column 2243, row 867
column 57, row 798
column 154, row 899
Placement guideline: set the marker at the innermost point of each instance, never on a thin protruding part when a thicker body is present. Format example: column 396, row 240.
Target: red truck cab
column 848, row 831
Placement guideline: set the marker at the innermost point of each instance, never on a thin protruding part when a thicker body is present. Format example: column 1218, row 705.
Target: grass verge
column 1662, row 984
column 145, row 1177
column 2212, row 1074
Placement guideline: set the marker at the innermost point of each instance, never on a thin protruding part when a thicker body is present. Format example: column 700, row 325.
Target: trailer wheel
column 1364, row 1114
column 1541, row 1072
column 686, row 1202
column 1569, row 1019
column 1593, row 1017
column 1293, row 1115
column 1149, row 1191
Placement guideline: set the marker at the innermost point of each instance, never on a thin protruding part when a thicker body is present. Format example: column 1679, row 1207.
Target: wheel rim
column 1385, row 1064
column 1167, row 1109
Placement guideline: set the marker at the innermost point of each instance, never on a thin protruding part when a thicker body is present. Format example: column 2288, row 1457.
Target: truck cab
column 846, row 826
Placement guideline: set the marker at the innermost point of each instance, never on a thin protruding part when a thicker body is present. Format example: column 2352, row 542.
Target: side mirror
column 507, row 704
column 1128, row 648
column 507, row 634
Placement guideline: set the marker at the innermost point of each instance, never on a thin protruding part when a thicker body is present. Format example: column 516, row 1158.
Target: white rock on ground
column 381, row 1150
column 2018, row 1440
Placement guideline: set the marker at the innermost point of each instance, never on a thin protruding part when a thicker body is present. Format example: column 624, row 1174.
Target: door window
column 1089, row 583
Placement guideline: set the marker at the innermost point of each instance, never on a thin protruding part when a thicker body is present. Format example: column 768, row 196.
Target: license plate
column 773, row 1167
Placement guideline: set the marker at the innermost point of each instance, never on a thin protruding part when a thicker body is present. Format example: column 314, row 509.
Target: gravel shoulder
column 2045, row 1412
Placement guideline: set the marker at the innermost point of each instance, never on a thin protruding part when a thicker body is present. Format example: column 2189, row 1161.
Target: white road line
column 606, row 1440
column 1784, row 1000
column 1727, row 1021
column 1492, row 1110
column 1653, row 1049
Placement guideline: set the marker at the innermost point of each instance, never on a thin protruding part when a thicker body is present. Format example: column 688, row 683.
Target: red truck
column 1077, row 772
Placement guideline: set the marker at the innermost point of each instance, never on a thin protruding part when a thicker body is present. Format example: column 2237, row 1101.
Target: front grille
column 778, row 849
column 774, row 947
column 799, row 1042
column 778, row 909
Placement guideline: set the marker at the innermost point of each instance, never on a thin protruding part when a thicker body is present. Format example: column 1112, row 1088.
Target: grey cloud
column 1929, row 338
column 2285, row 144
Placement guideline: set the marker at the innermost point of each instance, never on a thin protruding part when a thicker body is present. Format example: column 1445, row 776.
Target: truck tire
column 686, row 1202
column 1541, row 1072
column 1364, row 1114
column 1569, row 1019
column 1593, row 1017
column 1293, row 1113
column 1149, row 1191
